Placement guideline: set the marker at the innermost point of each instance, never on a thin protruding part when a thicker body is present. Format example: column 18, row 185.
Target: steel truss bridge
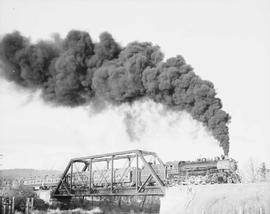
column 86, row 176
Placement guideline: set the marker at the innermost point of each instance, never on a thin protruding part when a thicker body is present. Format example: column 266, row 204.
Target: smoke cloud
column 76, row 71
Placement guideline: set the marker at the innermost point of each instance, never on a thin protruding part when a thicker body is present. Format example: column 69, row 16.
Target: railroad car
column 39, row 182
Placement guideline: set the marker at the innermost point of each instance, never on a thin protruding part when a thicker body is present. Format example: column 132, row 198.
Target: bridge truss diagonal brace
column 61, row 182
column 152, row 171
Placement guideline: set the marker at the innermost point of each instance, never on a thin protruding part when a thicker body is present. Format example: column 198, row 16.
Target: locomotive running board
column 67, row 188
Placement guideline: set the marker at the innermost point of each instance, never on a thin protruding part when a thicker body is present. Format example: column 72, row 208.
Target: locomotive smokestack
column 75, row 71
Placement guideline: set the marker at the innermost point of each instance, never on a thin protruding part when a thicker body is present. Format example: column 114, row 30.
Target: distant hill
column 24, row 173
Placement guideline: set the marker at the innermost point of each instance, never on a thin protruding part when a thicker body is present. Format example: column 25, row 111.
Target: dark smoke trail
column 76, row 71
column 134, row 126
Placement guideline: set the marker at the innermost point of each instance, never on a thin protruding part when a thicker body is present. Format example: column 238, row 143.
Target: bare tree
column 262, row 171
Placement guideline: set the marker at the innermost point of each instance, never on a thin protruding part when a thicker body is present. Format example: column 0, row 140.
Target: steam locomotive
column 203, row 171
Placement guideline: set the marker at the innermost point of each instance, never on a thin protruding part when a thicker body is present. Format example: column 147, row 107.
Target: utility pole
column 1, row 181
column 1, row 157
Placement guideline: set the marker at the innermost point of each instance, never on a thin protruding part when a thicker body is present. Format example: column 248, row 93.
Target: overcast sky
column 226, row 42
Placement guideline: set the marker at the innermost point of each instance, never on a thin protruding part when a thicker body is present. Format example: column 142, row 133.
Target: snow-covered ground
column 222, row 199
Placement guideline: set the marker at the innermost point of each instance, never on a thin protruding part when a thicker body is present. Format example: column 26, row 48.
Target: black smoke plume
column 75, row 71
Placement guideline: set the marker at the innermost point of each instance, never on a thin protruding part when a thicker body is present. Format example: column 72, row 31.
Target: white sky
column 225, row 41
